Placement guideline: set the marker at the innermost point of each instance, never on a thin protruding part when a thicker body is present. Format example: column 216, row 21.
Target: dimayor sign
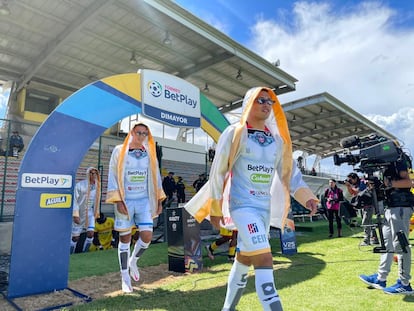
column 169, row 99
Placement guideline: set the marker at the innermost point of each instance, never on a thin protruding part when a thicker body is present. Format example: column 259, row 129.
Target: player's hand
column 76, row 220
column 216, row 220
column 312, row 205
column 159, row 208
column 121, row 207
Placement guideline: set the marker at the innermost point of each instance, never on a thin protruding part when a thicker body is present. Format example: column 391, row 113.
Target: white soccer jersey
column 253, row 171
column 136, row 174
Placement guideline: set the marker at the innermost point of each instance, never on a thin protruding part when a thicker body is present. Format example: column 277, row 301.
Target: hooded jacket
column 116, row 190
column 213, row 199
column 82, row 193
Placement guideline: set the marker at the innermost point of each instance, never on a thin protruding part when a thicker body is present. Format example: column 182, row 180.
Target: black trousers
column 331, row 215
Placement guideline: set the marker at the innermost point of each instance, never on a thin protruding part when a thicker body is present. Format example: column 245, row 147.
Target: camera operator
column 355, row 187
column 333, row 196
column 398, row 211
column 347, row 210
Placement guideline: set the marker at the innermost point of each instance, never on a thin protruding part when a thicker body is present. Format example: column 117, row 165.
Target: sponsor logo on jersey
column 55, row 200
column 260, row 168
column 137, row 178
column 258, row 193
column 135, row 188
column 260, row 178
column 252, row 228
column 260, row 238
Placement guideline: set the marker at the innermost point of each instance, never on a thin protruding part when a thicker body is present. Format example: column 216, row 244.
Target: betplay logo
column 46, row 180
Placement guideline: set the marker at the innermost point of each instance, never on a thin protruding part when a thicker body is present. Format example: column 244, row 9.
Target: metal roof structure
column 66, row 44
column 319, row 122
column 69, row 44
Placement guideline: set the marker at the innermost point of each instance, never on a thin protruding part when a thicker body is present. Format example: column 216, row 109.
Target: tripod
column 381, row 248
column 379, row 223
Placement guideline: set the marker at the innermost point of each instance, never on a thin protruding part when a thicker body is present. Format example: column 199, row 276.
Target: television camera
column 376, row 154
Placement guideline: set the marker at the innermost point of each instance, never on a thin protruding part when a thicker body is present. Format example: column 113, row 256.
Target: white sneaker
column 133, row 270
column 126, row 284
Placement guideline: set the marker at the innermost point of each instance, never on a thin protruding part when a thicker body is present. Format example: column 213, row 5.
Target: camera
column 374, row 152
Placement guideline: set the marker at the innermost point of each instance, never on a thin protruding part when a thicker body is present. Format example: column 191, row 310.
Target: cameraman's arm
column 351, row 189
column 403, row 182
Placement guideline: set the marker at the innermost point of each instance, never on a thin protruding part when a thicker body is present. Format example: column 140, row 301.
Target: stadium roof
column 318, row 123
column 69, row 44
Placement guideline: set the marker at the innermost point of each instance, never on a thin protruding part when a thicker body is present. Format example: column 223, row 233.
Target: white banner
column 169, row 99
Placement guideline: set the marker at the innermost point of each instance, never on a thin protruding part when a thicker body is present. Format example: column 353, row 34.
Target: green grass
column 322, row 276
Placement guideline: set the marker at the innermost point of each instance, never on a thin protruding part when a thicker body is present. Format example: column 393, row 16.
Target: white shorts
column 253, row 230
column 77, row 229
column 139, row 215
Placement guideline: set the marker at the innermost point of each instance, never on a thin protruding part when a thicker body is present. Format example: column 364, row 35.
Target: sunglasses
column 263, row 100
column 145, row 134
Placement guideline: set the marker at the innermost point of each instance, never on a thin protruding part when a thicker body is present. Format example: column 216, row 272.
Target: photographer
column 398, row 211
column 352, row 183
column 333, row 196
column 357, row 187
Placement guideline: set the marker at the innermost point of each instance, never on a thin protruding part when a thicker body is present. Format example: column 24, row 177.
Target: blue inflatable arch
column 43, row 213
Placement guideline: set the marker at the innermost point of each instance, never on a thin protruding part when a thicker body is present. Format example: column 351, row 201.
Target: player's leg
column 254, row 249
column 238, row 275
column 123, row 257
column 216, row 244
column 89, row 231
column 232, row 246
column 123, row 226
column 76, row 231
column 144, row 223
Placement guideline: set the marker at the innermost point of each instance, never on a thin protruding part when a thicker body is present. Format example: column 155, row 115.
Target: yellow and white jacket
column 212, row 199
column 116, row 190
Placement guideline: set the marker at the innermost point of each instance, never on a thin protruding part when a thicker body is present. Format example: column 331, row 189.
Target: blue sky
column 3, row 101
column 235, row 18
column 358, row 51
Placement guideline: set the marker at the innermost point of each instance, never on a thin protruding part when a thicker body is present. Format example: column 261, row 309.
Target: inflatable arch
column 43, row 213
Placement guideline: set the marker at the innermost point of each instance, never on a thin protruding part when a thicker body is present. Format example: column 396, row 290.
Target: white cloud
column 401, row 123
column 356, row 55
column 216, row 22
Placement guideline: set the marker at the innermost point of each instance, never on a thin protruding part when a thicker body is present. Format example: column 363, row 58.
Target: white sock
column 123, row 256
column 87, row 244
column 73, row 246
column 266, row 290
column 139, row 249
column 236, row 283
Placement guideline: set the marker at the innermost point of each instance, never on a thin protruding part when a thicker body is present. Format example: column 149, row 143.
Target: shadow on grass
column 191, row 293
column 206, row 290
column 194, row 298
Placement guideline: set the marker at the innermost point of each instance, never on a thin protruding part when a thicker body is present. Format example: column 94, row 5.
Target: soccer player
column 226, row 236
column 135, row 187
column 86, row 203
column 253, row 174
column 104, row 233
